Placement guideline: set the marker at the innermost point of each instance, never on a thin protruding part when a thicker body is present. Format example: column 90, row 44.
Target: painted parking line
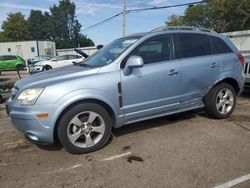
column 116, row 156
column 234, row 182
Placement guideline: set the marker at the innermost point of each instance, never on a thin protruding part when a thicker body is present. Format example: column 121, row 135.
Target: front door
column 153, row 89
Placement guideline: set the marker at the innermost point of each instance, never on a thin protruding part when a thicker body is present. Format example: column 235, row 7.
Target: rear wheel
column 84, row 128
column 220, row 101
column 46, row 67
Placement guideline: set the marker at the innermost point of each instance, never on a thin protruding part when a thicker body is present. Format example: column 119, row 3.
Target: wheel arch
column 89, row 100
column 232, row 81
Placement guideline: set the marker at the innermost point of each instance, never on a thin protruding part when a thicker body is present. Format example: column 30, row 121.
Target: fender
column 230, row 75
column 82, row 94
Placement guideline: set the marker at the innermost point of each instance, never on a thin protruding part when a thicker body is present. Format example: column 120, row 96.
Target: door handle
column 172, row 72
column 214, row 65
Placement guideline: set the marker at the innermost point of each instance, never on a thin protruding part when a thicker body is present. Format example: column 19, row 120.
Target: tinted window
column 61, row 58
column 192, row 45
column 73, row 57
column 154, row 50
column 219, row 46
column 9, row 57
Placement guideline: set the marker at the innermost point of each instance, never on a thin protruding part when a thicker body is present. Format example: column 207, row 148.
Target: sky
column 89, row 12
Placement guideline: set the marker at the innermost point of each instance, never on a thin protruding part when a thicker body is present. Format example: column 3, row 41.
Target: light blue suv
column 137, row 77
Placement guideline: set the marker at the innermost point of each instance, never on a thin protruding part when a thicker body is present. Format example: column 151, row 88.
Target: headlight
column 29, row 96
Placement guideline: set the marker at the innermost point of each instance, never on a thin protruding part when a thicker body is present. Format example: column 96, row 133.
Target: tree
column 15, row 28
column 196, row 16
column 60, row 25
column 65, row 28
column 229, row 15
column 175, row 20
column 37, row 25
column 220, row 15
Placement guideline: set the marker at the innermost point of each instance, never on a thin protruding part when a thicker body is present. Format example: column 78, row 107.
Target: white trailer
column 241, row 40
column 28, row 49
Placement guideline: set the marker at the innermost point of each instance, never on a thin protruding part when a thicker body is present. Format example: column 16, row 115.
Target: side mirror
column 99, row 46
column 133, row 62
column 54, row 60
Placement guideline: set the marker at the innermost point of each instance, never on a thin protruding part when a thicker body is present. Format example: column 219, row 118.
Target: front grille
column 247, row 68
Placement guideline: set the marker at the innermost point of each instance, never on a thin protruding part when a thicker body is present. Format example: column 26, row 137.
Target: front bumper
column 24, row 119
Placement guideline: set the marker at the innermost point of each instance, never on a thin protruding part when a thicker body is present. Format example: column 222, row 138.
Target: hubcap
column 224, row 101
column 86, row 129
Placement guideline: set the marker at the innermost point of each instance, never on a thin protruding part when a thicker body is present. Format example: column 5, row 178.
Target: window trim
column 173, row 55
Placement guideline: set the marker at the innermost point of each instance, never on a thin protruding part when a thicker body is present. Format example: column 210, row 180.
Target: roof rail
column 185, row 28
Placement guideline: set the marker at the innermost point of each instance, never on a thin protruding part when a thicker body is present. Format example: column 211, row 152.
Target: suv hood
column 55, row 76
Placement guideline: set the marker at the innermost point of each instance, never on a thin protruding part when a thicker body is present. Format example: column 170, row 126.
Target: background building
column 28, row 49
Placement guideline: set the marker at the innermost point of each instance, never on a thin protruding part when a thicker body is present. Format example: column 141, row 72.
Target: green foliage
column 15, row 28
column 175, row 20
column 37, row 24
column 61, row 26
column 220, row 15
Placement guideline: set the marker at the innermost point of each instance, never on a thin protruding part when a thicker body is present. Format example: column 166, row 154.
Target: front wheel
column 220, row 102
column 84, row 128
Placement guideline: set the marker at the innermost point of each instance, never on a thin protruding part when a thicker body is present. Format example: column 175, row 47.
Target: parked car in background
column 56, row 62
column 135, row 78
column 37, row 59
column 247, row 73
column 11, row 62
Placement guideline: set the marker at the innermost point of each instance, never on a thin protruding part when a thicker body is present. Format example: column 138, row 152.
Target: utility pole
column 124, row 18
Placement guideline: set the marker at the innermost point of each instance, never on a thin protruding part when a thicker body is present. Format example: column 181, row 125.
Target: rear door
column 73, row 58
column 60, row 61
column 199, row 69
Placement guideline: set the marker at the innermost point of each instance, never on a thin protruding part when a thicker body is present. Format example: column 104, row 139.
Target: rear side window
column 219, row 46
column 192, row 45
column 155, row 49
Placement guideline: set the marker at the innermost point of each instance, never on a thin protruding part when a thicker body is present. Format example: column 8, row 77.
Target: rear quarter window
column 193, row 45
column 219, row 46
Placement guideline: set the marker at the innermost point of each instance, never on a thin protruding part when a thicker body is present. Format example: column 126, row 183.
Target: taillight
column 241, row 58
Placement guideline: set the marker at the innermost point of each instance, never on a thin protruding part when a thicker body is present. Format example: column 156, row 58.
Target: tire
column 78, row 126
column 19, row 67
column 46, row 67
column 218, row 103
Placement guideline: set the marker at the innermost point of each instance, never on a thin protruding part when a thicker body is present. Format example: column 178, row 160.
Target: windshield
column 110, row 52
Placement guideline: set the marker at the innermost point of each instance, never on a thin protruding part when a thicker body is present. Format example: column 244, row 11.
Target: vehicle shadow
column 245, row 95
column 52, row 147
column 3, row 80
column 157, row 122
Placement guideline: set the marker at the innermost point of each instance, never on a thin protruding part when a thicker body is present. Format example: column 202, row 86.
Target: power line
column 144, row 9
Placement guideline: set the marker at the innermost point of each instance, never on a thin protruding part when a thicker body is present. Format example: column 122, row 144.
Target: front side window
column 156, row 49
column 193, row 45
